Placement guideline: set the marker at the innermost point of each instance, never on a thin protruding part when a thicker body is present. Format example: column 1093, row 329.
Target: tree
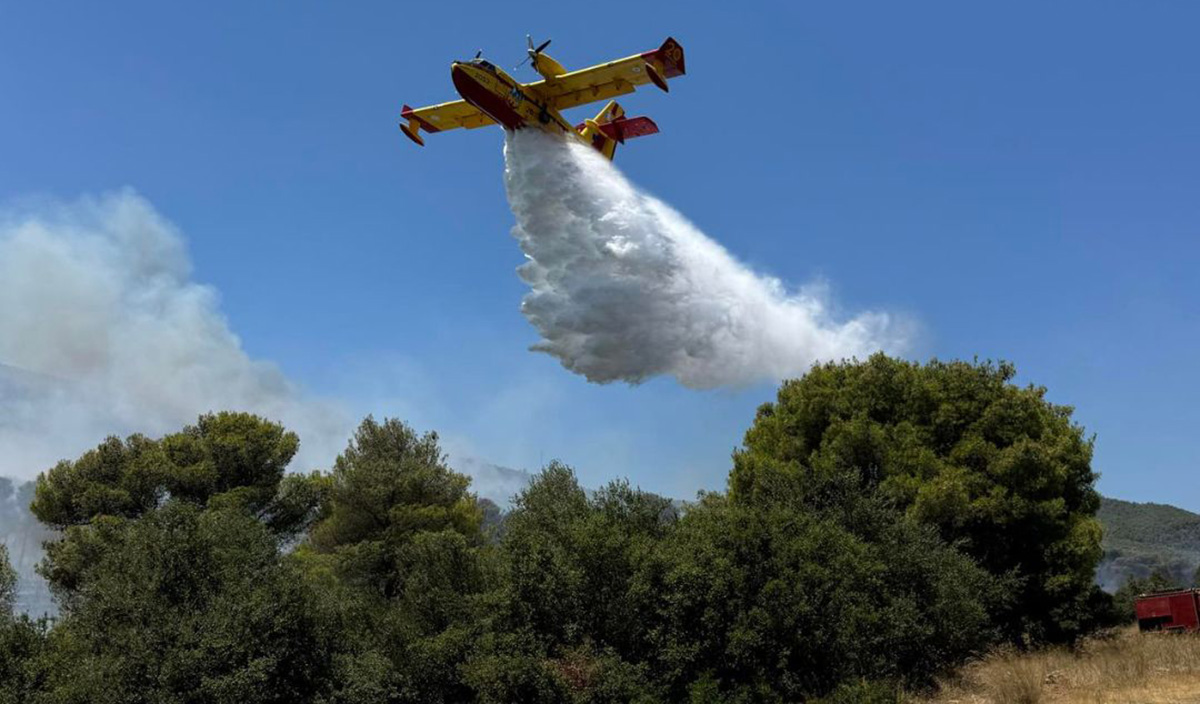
column 21, row 641
column 232, row 459
column 570, row 623
column 570, row 559
column 186, row 604
column 388, row 486
column 400, row 534
column 8, row 584
column 170, row 574
column 996, row 469
column 776, row 601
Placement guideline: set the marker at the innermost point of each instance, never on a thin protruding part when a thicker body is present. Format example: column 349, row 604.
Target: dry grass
column 1129, row 668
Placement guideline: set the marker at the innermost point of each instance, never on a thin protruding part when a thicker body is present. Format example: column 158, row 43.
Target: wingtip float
column 492, row 97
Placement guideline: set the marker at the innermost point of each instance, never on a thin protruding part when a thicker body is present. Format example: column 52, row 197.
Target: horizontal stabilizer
column 623, row 128
column 610, row 128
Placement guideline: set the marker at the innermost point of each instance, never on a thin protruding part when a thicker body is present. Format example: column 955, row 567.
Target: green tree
column 228, row 459
column 569, row 612
column 169, row 570
column 780, row 602
column 398, row 549
column 190, row 605
column 999, row 471
column 388, row 486
column 8, row 584
column 21, row 641
column 570, row 559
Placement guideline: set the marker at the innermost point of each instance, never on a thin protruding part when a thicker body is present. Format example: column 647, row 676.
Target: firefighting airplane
column 491, row 96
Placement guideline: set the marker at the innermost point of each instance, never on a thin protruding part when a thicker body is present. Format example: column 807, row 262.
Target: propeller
column 533, row 51
column 479, row 53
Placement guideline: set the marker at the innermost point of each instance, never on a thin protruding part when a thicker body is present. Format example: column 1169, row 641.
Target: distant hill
column 1142, row 538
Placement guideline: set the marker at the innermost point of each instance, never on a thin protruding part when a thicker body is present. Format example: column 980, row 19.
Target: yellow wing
column 614, row 78
column 439, row 118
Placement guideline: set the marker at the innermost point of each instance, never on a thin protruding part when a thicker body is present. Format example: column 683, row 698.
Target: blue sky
column 1023, row 180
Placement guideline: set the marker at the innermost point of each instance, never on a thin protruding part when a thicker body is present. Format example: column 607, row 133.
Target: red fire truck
column 1177, row 611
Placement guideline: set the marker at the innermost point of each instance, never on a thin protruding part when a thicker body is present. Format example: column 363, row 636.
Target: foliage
column 884, row 522
column 387, row 487
column 232, row 459
column 734, row 602
column 22, row 642
column 772, row 603
column 1000, row 472
column 570, row 559
column 8, row 583
column 400, row 535
column 571, row 617
column 187, row 604
column 169, row 572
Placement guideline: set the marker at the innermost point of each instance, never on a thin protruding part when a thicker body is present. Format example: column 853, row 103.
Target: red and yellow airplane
column 491, row 96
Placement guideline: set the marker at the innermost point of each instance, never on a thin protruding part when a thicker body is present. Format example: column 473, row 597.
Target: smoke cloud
column 623, row 288
column 102, row 331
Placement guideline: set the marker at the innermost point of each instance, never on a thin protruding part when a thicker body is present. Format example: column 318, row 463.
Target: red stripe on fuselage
column 477, row 94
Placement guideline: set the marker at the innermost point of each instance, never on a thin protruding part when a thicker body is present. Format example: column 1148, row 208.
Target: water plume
column 624, row 288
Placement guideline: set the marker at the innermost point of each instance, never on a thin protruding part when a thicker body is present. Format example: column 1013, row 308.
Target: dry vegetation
column 1124, row 669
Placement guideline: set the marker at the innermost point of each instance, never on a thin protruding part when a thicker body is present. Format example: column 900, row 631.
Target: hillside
column 1141, row 538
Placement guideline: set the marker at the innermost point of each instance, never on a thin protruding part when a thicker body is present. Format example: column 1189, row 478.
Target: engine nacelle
column 548, row 67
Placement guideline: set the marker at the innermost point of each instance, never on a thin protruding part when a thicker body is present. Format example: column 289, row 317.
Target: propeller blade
column 543, row 46
column 479, row 53
column 529, row 38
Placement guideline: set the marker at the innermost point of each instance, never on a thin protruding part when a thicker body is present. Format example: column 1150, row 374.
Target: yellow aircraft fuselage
column 505, row 100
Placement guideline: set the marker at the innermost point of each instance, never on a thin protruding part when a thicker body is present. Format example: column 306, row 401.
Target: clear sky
column 1022, row 179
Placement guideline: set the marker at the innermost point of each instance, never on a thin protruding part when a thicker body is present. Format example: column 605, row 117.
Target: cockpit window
column 485, row 64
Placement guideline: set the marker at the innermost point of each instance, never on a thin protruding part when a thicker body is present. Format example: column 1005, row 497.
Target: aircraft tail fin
column 664, row 62
column 610, row 128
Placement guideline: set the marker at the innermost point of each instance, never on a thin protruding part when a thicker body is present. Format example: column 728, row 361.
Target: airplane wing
column 439, row 118
column 613, row 78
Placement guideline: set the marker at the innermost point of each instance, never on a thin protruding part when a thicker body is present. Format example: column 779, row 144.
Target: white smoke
column 624, row 288
column 102, row 331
